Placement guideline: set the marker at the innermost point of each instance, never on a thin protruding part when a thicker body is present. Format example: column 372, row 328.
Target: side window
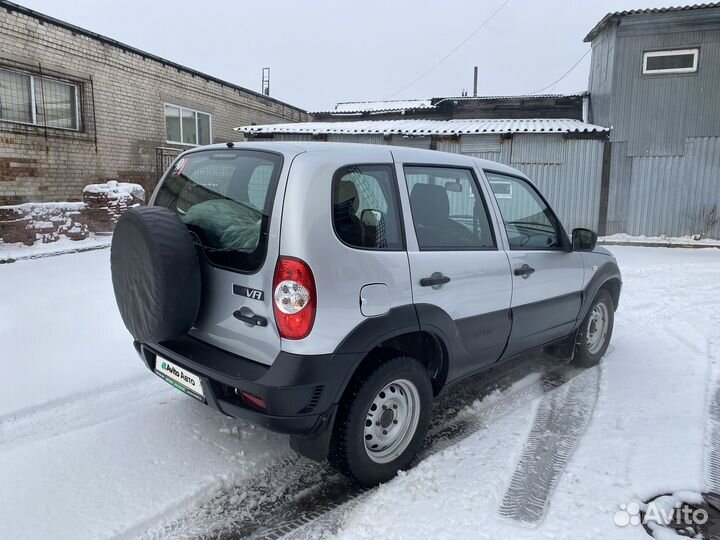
column 366, row 213
column 448, row 210
column 528, row 221
column 258, row 185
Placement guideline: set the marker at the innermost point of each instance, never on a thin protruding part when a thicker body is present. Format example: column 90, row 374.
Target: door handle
column 255, row 320
column 434, row 280
column 525, row 270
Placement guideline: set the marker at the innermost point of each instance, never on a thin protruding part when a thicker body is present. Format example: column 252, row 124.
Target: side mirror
column 584, row 239
column 370, row 217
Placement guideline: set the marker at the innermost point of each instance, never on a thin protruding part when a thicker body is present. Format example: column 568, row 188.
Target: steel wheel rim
column 391, row 421
column 597, row 328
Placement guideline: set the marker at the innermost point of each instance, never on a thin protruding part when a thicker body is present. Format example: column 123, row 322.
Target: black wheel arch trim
column 605, row 274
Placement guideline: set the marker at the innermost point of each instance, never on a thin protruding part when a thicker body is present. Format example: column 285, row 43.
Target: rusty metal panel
column 376, row 138
column 448, row 145
column 412, row 142
column 292, row 137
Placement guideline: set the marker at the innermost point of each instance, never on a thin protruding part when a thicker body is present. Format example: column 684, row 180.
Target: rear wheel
column 383, row 421
column 595, row 332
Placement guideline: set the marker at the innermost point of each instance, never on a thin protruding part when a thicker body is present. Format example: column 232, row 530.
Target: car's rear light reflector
column 294, row 298
column 255, row 401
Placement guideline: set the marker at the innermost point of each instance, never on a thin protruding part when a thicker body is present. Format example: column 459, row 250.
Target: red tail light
column 294, row 298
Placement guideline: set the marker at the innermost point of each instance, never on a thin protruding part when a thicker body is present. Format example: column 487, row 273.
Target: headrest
column 429, row 203
column 348, row 192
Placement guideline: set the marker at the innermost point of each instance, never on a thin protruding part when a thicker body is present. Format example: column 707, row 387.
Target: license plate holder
column 179, row 377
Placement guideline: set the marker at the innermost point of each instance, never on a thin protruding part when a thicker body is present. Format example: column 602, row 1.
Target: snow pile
column 663, row 240
column 17, row 252
column 43, row 223
column 105, row 203
column 116, row 190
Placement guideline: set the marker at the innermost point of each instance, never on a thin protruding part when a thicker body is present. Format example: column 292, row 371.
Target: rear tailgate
column 226, row 197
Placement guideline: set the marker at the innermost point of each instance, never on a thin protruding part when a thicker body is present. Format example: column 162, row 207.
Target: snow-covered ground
column 94, row 446
column 16, row 251
column 670, row 241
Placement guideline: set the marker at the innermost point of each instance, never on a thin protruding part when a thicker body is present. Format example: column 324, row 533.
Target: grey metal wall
column 665, row 128
column 666, row 193
column 360, row 138
column 567, row 171
column 413, row 142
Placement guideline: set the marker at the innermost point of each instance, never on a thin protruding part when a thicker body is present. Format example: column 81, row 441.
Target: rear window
column 225, row 197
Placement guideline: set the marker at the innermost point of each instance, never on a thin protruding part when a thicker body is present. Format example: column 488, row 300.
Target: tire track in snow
column 712, row 451
column 83, row 410
column 296, row 492
column 561, row 419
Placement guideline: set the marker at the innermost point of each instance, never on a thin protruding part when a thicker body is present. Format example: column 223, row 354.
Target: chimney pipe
column 475, row 82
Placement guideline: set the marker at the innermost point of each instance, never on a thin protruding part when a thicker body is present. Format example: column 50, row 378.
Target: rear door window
column 225, row 197
column 366, row 213
column 448, row 210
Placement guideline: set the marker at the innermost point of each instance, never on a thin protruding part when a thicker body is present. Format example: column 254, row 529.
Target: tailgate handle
column 255, row 320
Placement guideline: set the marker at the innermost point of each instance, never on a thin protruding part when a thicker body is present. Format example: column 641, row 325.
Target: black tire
column 155, row 274
column 348, row 451
column 587, row 352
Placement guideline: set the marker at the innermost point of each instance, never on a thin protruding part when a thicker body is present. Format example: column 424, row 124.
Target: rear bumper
column 300, row 391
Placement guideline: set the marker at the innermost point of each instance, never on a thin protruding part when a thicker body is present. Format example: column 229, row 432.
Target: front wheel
column 383, row 422
column 595, row 332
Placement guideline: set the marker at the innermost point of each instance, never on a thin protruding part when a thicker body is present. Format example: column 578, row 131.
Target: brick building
column 78, row 108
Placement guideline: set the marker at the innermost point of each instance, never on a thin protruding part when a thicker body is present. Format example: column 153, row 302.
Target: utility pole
column 266, row 81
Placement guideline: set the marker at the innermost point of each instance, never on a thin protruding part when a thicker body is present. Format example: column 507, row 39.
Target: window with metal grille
column 670, row 61
column 35, row 100
column 187, row 126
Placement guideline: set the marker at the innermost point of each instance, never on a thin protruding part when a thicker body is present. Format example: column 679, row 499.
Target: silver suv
column 330, row 291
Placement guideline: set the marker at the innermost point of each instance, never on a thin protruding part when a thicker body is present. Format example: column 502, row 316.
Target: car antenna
column 230, row 144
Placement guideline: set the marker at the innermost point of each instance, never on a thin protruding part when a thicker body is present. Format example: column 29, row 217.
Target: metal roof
column 399, row 105
column 378, row 106
column 613, row 17
column 430, row 127
column 511, row 97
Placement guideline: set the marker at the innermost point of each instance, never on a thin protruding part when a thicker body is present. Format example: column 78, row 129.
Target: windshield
column 225, row 197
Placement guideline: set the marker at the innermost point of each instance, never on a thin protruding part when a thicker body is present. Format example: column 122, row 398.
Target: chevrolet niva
column 331, row 291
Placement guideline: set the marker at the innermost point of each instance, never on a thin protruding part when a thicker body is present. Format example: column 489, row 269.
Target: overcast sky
column 324, row 51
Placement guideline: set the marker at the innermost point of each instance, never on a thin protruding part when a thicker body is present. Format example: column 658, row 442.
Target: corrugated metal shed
column 431, row 127
column 567, row 170
column 668, row 193
column 665, row 164
column 612, row 17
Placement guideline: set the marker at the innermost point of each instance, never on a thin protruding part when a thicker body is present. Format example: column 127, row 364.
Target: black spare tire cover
column 155, row 274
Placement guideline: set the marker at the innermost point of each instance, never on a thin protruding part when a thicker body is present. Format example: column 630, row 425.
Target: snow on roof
column 611, row 17
column 513, row 97
column 357, row 107
column 381, row 106
column 430, row 127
